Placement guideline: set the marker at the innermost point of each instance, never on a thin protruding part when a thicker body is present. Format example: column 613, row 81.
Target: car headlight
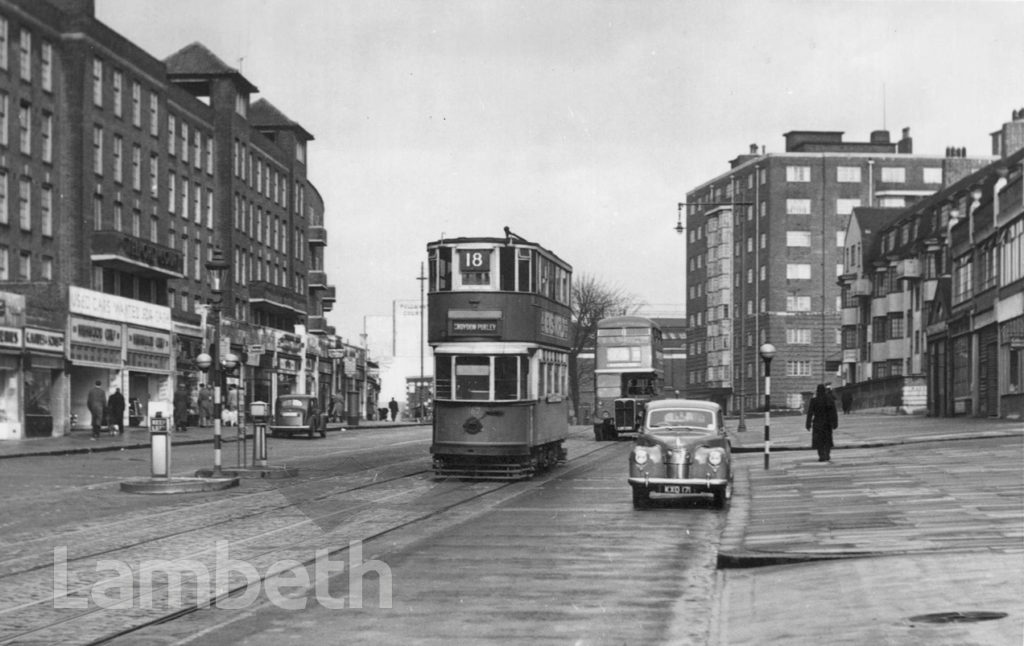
column 715, row 458
column 640, row 456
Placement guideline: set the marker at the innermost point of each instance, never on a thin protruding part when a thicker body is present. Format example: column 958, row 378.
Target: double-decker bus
column 628, row 372
column 498, row 323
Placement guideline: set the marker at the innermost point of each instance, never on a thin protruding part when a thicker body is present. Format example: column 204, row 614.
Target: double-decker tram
column 498, row 322
column 628, row 372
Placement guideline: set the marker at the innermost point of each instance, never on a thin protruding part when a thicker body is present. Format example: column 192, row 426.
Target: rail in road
column 119, row 575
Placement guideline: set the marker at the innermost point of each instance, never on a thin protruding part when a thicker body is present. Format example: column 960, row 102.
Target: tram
column 629, row 371
column 498, row 323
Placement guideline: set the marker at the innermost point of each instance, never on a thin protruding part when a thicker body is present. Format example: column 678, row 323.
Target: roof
column 701, row 404
column 263, row 115
column 625, row 321
column 196, row 61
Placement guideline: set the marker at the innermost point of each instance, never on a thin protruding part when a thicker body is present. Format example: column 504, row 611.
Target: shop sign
column 290, row 343
column 554, row 325
column 117, row 308
column 95, row 332
column 288, row 365
column 10, row 337
column 336, row 353
column 45, row 340
column 146, row 341
column 349, row 365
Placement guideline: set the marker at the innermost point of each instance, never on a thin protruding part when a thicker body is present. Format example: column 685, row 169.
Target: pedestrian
column 337, row 411
column 115, row 407
column 847, row 399
column 205, row 406
column 97, row 403
column 181, row 404
column 822, row 419
column 393, row 407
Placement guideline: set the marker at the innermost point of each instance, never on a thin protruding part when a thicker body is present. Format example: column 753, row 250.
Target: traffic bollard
column 160, row 446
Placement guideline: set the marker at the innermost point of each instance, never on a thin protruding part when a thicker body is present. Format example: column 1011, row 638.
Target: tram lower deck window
column 481, row 377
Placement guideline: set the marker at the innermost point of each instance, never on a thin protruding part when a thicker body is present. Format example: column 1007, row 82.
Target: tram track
column 88, row 600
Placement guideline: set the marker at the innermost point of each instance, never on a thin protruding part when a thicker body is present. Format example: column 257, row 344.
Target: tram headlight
column 605, row 414
column 715, row 458
column 640, row 456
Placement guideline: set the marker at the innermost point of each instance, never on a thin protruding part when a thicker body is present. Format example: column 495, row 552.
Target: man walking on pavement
column 821, row 420
column 181, row 403
column 115, row 407
column 97, row 403
column 393, row 407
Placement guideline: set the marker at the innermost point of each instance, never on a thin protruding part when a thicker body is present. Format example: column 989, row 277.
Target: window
column 475, row 267
column 798, row 206
column 97, row 82
column 197, row 148
column 154, row 114
column 5, row 209
column 46, row 66
column 894, row 175
column 117, row 83
column 136, row 104
column 845, row 206
column 5, row 106
column 241, row 104
column 4, row 33
column 137, row 167
column 1012, row 253
column 97, row 150
column 840, row 238
column 798, row 238
column 25, row 51
column 798, row 271
column 896, row 325
column 798, row 173
column 798, row 303
column 118, row 159
column 798, row 368
column 118, row 216
column 25, row 128
column 25, row 204
column 172, row 191
column 5, row 263
column 184, row 142
column 892, row 202
column 46, row 211
column 848, row 174
column 931, row 175
column 46, row 134
column 97, row 212
column 172, row 134
column 184, row 198
column 798, row 337
column 46, row 268
column 25, row 266
column 154, row 170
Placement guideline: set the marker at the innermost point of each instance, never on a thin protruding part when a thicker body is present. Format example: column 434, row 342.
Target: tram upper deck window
column 440, row 269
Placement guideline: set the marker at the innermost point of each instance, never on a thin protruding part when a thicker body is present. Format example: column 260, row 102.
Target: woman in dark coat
column 115, row 405
column 181, row 404
column 822, row 418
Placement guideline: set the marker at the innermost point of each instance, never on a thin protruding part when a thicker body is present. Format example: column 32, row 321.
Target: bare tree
column 592, row 300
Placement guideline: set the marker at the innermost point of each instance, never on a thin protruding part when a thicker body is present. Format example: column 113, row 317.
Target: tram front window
column 472, row 377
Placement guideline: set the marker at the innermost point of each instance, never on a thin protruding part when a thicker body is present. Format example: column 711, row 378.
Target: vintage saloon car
column 298, row 414
column 682, row 448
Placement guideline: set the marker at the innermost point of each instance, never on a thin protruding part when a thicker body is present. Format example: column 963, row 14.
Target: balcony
column 275, row 299
column 850, row 316
column 126, row 253
column 327, row 298
column 316, row 279
column 860, row 287
column 317, row 325
column 317, row 236
column 908, row 268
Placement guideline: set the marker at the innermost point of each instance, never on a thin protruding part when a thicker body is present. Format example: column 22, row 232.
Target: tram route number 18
column 475, row 260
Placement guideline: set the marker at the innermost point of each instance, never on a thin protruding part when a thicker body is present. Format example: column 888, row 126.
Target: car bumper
column 692, row 483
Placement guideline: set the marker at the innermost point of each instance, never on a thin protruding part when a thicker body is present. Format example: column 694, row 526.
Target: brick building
column 119, row 176
column 765, row 245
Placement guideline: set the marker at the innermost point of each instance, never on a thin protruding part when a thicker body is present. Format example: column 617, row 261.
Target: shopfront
column 11, row 427
column 45, row 387
column 288, row 364
column 148, row 365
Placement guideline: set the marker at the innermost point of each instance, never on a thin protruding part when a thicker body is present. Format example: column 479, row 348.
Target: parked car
column 682, row 448
column 298, row 414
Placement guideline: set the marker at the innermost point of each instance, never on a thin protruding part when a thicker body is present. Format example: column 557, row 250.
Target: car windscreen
column 681, row 420
column 292, row 403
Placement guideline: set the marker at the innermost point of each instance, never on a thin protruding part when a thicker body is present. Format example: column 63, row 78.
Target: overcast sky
column 580, row 125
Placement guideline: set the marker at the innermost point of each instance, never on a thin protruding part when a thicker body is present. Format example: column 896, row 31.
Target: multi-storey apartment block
column 765, row 244
column 119, row 176
column 933, row 295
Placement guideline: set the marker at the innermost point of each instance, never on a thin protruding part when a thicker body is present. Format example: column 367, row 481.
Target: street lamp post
column 767, row 351
column 217, row 267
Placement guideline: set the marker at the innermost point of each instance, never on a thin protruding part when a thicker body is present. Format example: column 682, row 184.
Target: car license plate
column 676, row 489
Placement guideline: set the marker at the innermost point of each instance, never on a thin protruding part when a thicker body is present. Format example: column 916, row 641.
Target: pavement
column 137, row 437
column 913, row 534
